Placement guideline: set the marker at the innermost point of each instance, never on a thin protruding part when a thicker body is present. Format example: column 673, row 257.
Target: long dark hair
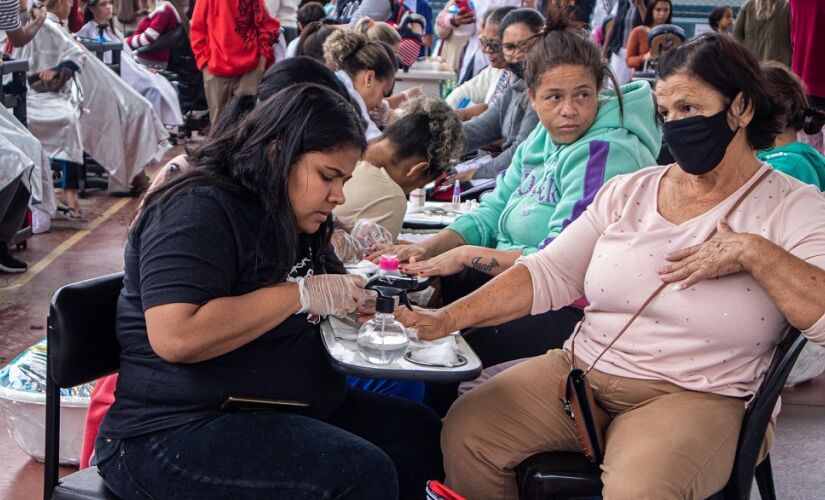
column 790, row 90
column 254, row 159
column 312, row 38
column 649, row 14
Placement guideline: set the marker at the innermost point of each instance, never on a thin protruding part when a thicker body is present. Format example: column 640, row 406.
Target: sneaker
column 9, row 264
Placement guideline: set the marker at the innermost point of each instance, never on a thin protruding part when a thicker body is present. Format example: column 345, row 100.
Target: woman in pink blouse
column 673, row 389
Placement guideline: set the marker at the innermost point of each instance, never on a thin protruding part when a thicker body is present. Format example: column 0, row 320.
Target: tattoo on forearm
column 478, row 265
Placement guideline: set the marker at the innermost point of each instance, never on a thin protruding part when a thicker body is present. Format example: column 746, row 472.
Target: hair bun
column 560, row 19
column 814, row 120
column 343, row 44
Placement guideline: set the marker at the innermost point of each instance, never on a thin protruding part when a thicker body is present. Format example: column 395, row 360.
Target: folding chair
column 563, row 475
column 82, row 347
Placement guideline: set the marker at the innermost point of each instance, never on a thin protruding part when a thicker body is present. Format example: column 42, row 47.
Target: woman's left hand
column 448, row 263
column 717, row 257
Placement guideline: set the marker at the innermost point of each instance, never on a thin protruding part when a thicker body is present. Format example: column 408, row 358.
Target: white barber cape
column 22, row 154
column 155, row 88
column 117, row 125
column 53, row 118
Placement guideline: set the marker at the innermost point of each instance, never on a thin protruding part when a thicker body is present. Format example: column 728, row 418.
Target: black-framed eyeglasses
column 520, row 46
column 491, row 45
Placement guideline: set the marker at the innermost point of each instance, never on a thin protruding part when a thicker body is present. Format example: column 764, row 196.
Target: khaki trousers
column 220, row 89
column 661, row 441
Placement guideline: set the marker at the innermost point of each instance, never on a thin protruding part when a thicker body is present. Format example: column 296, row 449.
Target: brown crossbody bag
column 577, row 396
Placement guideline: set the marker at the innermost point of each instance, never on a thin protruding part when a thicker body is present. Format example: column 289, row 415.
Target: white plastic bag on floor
column 41, row 221
column 809, row 365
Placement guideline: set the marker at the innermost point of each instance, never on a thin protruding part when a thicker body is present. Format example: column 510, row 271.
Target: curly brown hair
column 429, row 129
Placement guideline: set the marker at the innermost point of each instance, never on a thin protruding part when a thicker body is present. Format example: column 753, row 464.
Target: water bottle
column 383, row 340
column 418, row 198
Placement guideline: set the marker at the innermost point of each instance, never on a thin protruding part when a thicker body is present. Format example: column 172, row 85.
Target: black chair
column 183, row 73
column 82, row 347
column 13, row 93
column 101, row 47
column 563, row 475
column 660, row 39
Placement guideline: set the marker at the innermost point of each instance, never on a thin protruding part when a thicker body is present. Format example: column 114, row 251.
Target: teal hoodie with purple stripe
column 547, row 186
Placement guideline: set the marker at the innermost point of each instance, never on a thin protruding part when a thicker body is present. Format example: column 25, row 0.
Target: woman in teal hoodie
column 586, row 136
column 794, row 158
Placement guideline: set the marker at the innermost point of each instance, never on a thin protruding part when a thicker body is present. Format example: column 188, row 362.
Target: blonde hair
column 378, row 31
column 353, row 52
column 765, row 8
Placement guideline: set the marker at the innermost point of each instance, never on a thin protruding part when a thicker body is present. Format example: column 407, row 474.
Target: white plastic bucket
column 25, row 414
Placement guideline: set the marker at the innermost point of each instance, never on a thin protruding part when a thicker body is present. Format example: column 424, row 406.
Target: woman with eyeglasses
column 587, row 135
column 474, row 96
column 511, row 118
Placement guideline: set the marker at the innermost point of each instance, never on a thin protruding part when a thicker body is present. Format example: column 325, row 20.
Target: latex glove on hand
column 368, row 233
column 347, row 248
column 331, row 294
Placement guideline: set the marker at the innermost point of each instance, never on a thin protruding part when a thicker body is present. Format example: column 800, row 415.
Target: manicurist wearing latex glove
column 227, row 273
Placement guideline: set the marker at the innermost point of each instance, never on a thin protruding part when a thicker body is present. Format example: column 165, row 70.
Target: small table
column 346, row 359
column 435, row 215
column 423, row 74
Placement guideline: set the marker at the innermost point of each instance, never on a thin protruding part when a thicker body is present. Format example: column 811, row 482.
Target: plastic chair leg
column 764, row 480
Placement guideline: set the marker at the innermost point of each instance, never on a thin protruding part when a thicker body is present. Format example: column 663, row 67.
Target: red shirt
column 228, row 36
column 161, row 20
column 807, row 20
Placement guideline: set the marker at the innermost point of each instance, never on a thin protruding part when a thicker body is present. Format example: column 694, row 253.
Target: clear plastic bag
column 352, row 247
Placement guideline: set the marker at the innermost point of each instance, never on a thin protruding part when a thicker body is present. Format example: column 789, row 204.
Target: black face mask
column 699, row 143
column 517, row 68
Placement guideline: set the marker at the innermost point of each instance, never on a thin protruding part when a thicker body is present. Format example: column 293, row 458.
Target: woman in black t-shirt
column 225, row 283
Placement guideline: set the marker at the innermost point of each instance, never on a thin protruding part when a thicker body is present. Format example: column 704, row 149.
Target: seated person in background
column 474, row 96
column 681, row 376
column 154, row 87
column 638, row 50
column 308, row 13
column 117, row 127
column 511, row 117
column 247, row 229
column 312, row 38
column 796, row 159
column 168, row 14
column 366, row 67
column 585, row 138
column 721, row 19
column 412, row 151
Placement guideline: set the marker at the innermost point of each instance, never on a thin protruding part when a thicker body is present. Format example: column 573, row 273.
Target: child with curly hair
column 412, row 151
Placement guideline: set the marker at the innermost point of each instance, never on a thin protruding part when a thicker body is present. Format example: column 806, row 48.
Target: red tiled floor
column 23, row 309
column 798, row 472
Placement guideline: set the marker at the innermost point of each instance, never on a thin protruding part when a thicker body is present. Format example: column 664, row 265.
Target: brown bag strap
column 661, row 287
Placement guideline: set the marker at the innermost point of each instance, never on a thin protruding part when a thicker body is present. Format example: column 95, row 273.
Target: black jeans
column 524, row 337
column 14, row 201
column 374, row 447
